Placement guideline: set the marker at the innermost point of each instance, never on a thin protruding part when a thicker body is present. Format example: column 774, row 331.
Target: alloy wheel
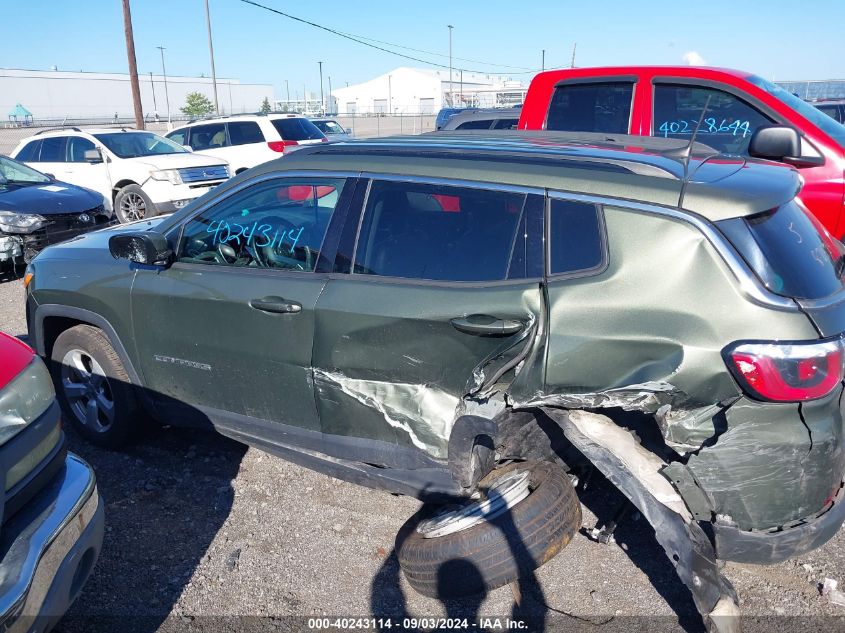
column 87, row 390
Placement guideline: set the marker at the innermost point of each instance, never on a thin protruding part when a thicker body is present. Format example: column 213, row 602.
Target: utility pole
column 322, row 99
column 164, row 74
column 133, row 66
column 450, row 64
column 574, row 46
column 211, row 52
column 287, row 91
column 153, row 87
column 331, row 101
column 543, row 61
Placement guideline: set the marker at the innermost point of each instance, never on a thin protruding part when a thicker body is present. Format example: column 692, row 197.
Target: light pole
column 543, row 60
column 287, row 90
column 450, row 64
column 153, row 87
column 211, row 52
column 164, row 74
column 322, row 99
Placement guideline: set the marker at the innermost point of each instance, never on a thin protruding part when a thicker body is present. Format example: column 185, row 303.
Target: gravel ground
column 200, row 526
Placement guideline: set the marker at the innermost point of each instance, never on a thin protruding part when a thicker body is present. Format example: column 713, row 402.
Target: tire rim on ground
column 87, row 390
column 133, row 207
column 504, row 494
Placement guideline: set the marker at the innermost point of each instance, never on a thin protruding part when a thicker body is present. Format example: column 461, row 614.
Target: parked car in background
column 485, row 119
column 333, row 130
column 37, row 210
column 139, row 174
column 52, row 514
column 834, row 108
column 668, row 101
column 451, row 314
column 247, row 140
column 444, row 114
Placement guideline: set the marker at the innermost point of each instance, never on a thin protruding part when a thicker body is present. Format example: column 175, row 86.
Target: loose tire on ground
column 132, row 203
column 497, row 552
column 82, row 350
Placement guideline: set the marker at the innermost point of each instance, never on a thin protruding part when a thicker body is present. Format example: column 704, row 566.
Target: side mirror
column 780, row 143
column 92, row 156
column 349, row 131
column 141, row 247
column 50, row 176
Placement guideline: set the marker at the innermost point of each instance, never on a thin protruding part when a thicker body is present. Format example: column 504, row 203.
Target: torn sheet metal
column 425, row 413
column 642, row 463
column 482, row 376
column 684, row 426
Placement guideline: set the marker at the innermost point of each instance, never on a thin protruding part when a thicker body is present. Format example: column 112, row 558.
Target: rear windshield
column 297, row 130
column 791, row 252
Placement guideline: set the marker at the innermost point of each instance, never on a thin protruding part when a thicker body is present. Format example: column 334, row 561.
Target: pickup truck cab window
column 273, row 224
column 591, row 107
column 727, row 125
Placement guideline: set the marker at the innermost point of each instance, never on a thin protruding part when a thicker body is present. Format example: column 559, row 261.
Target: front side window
column 76, row 148
column 506, row 124
column 728, row 121
column 329, row 127
column 575, row 237
column 274, row 224
column 135, row 144
column 478, row 124
column 438, row 232
column 591, row 107
column 245, row 132
column 208, row 136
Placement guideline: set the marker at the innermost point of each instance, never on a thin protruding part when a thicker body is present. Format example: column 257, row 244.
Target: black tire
column 131, row 203
column 494, row 553
column 127, row 416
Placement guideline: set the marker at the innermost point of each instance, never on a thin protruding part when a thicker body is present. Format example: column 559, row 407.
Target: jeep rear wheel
column 93, row 388
column 529, row 513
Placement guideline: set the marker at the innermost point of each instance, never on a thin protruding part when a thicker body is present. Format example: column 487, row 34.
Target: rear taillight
column 787, row 372
column 279, row 146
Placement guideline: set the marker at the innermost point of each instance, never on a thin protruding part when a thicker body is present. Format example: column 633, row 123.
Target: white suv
column 139, row 174
column 247, row 140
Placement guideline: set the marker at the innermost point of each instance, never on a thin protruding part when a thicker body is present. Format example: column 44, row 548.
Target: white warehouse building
column 422, row 91
column 53, row 94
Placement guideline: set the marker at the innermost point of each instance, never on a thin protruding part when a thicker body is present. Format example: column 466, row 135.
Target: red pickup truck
column 668, row 101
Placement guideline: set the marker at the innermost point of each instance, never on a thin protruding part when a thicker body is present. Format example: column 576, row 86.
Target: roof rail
column 55, row 129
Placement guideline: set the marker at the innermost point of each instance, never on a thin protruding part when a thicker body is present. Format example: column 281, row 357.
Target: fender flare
column 46, row 310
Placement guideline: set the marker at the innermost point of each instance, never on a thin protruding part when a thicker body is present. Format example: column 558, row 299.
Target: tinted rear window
column 297, row 129
column 790, row 253
column 591, row 107
column 245, row 132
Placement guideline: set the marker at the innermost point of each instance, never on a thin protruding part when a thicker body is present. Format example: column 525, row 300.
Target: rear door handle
column 276, row 305
column 486, row 325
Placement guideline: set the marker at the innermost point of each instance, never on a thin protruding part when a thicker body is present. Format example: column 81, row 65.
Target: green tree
column 265, row 106
column 197, row 104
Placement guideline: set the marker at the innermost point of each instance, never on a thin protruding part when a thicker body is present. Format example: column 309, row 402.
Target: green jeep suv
column 469, row 318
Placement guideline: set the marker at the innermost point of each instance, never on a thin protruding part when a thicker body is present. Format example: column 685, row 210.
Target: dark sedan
column 37, row 210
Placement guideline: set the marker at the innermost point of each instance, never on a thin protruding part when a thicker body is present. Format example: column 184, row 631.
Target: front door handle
column 486, row 325
column 276, row 305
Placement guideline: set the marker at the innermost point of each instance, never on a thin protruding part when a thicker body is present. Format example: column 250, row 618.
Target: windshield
column 329, row 127
column 13, row 171
column 134, row 144
column 831, row 127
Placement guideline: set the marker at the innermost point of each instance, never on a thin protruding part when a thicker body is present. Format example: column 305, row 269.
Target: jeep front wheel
column 527, row 514
column 93, row 388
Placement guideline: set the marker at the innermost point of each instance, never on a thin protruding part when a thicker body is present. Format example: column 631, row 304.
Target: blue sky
column 779, row 39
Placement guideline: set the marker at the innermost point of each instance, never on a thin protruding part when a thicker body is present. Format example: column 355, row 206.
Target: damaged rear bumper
column 767, row 548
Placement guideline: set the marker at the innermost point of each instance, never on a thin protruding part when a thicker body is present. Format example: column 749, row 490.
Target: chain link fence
column 362, row 126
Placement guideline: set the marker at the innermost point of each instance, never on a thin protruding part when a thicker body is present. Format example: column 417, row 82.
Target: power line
column 360, row 40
